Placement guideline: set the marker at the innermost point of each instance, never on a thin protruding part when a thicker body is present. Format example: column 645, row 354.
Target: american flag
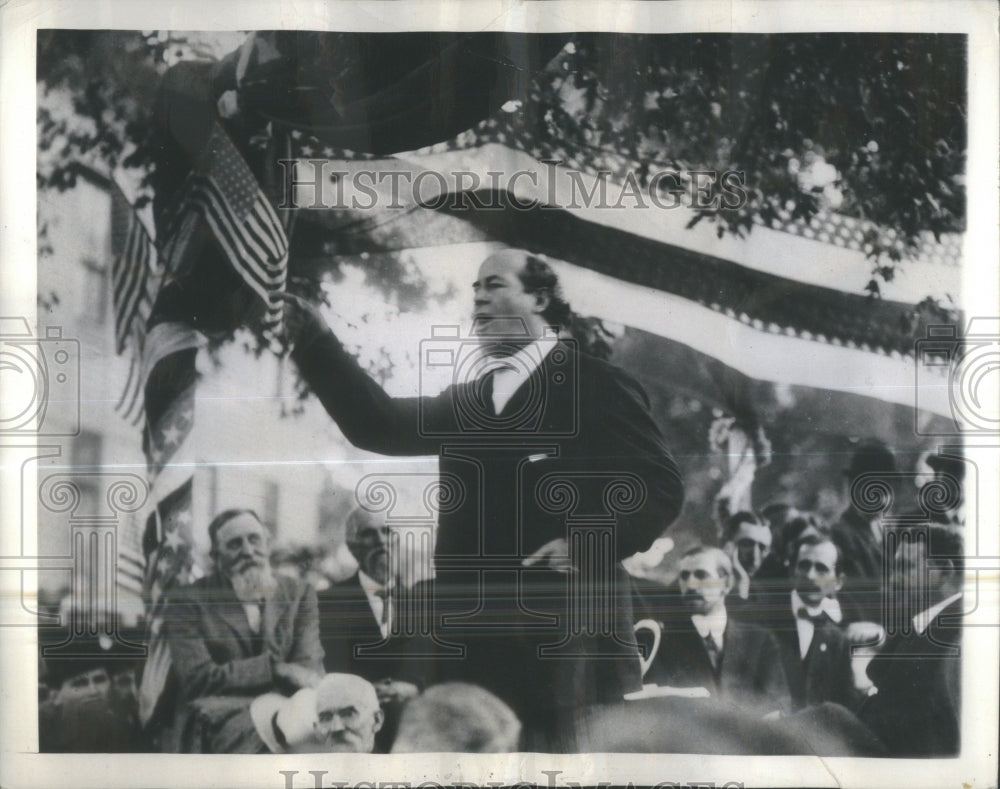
column 229, row 199
column 134, row 282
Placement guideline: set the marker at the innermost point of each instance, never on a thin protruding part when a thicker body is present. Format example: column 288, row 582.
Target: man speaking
column 556, row 471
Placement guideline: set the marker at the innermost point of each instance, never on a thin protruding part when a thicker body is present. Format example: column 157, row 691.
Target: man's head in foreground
column 340, row 715
column 457, row 717
column 240, row 552
column 705, row 576
column 517, row 295
column 347, row 714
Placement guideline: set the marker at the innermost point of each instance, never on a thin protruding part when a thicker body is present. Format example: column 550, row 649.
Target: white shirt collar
column 922, row 620
column 510, row 372
column 829, row 606
column 714, row 623
column 805, row 627
column 369, row 584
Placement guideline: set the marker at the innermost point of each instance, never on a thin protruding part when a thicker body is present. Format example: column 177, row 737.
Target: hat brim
column 946, row 463
column 262, row 711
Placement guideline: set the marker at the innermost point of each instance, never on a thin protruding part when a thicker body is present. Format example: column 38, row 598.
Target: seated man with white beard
column 236, row 634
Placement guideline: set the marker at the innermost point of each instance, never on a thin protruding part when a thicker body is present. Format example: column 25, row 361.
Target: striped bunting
column 791, row 305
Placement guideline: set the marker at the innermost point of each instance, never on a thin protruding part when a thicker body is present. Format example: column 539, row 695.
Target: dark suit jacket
column 214, row 652
column 589, row 422
column 346, row 620
column 750, row 675
column 917, row 710
column 861, row 563
column 825, row 674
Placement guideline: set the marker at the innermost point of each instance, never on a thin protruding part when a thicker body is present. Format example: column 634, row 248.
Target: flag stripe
column 130, row 276
column 233, row 249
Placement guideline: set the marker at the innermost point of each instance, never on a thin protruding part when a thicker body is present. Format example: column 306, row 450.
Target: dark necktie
column 713, row 652
column 485, row 387
column 385, row 594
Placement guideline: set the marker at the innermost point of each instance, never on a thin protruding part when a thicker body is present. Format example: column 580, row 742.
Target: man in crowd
column 236, row 633
column 340, row 715
column 359, row 614
column 815, row 652
column 748, row 544
column 530, row 409
column 858, row 533
column 947, row 506
column 915, row 709
column 734, row 661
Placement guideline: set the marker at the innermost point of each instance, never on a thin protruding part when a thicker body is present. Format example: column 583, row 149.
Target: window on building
column 86, row 459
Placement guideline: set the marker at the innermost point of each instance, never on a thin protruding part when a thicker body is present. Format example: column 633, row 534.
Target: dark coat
column 213, row 650
column 861, row 563
column 750, row 674
column 826, row 673
column 577, row 419
column 346, row 621
column 917, row 710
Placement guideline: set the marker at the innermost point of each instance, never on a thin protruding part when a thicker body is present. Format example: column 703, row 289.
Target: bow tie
column 817, row 619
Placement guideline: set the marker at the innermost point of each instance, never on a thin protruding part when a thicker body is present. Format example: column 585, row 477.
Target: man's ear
column 948, row 573
column 379, row 720
column 542, row 300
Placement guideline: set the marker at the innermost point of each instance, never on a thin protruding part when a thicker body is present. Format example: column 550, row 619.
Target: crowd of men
column 790, row 636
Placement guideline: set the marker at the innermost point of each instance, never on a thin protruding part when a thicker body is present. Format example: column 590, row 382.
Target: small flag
column 227, row 196
column 134, row 282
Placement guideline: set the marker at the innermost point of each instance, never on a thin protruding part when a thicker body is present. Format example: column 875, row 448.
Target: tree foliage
column 870, row 125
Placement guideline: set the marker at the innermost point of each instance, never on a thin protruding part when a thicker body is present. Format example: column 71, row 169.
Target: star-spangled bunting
column 170, row 388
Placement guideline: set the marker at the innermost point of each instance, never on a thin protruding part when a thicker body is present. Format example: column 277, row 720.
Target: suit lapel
column 275, row 611
column 538, row 382
column 364, row 617
column 699, row 661
column 732, row 648
column 787, row 634
column 228, row 609
column 520, row 396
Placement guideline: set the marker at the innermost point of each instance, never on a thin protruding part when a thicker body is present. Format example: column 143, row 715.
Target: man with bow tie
column 528, row 408
column 815, row 651
column 703, row 646
column 237, row 633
